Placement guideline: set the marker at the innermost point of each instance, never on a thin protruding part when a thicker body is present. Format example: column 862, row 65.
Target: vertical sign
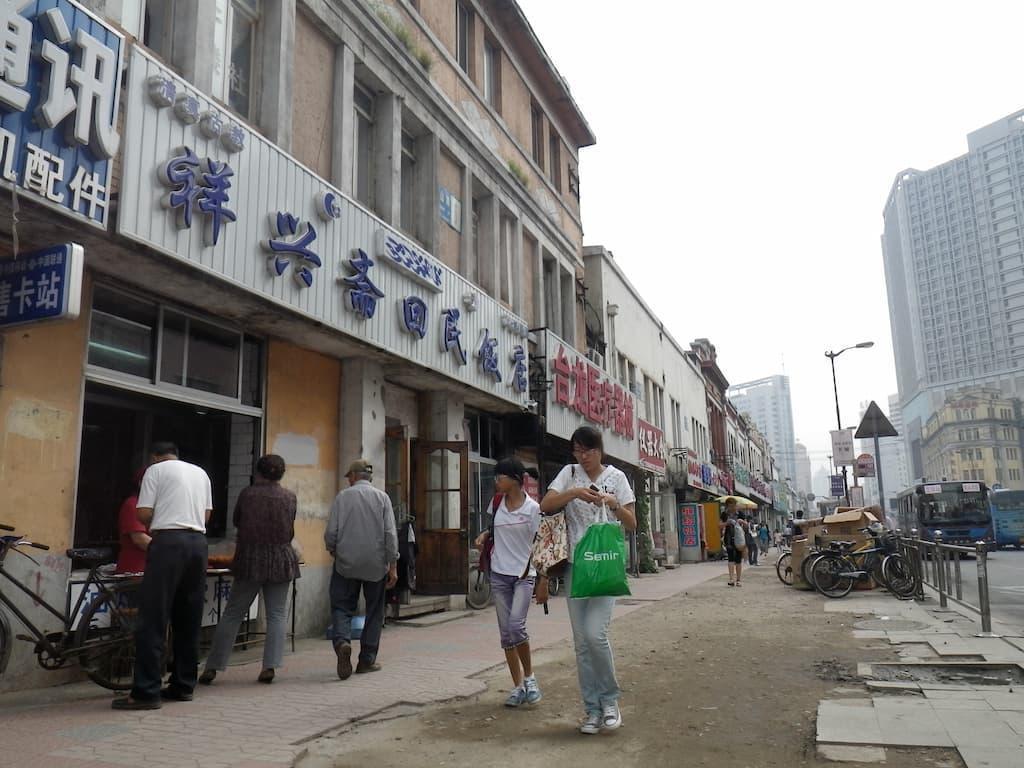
column 837, row 485
column 689, row 525
column 42, row 285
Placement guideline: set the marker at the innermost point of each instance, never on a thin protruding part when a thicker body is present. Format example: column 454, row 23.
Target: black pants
column 345, row 602
column 173, row 589
column 752, row 554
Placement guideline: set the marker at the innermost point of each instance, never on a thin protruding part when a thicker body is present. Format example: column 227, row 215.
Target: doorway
column 441, row 481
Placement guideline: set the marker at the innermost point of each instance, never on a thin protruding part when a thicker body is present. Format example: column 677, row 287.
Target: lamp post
column 839, row 422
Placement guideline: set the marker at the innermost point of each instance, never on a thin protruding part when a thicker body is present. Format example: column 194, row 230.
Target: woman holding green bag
column 592, row 494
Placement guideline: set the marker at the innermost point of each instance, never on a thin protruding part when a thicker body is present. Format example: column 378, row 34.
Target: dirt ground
column 717, row 676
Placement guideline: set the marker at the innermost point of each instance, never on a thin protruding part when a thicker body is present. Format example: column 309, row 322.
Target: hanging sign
column 41, row 285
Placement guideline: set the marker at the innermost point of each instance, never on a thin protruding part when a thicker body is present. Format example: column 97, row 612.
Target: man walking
column 176, row 501
column 361, row 536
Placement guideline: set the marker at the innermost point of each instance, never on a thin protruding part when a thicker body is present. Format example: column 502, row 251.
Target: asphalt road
column 1005, row 585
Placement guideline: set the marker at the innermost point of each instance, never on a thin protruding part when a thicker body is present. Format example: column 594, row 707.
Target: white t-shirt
column 579, row 514
column 514, row 531
column 179, row 494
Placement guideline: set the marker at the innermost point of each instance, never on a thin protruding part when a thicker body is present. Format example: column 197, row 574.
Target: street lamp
column 839, row 422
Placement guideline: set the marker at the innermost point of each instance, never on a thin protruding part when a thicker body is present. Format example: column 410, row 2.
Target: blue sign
column 60, row 75
column 414, row 263
column 42, row 285
column 837, row 485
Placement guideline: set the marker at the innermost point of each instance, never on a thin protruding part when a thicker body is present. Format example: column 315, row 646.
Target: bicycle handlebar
column 6, row 527
column 37, row 545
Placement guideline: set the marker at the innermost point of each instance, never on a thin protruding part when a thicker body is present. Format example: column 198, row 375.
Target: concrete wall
column 303, row 396
column 40, row 422
column 449, row 176
column 312, row 98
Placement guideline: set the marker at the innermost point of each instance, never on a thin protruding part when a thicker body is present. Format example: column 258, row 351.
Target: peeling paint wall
column 303, row 397
column 40, row 419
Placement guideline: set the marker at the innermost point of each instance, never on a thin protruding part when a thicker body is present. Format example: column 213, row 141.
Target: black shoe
column 344, row 652
column 266, row 676
column 129, row 703
column 367, row 666
column 174, row 694
column 208, row 677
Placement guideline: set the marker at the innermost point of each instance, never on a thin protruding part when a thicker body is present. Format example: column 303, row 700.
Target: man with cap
column 362, row 538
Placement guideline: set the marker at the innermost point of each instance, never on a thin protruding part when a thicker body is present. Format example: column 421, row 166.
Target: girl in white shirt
column 512, row 578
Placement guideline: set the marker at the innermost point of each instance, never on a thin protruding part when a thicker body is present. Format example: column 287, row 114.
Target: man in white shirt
column 176, row 500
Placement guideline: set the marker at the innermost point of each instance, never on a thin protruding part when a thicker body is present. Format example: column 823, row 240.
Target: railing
column 937, row 565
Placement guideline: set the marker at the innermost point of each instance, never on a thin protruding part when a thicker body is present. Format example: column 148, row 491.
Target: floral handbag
column 551, row 545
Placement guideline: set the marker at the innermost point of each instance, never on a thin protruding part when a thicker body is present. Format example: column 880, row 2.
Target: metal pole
column 881, row 487
column 981, row 553
column 959, row 583
column 940, row 568
column 839, row 421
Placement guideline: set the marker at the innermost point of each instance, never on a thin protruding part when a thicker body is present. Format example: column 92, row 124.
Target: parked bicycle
column 784, row 566
column 836, row 571
column 102, row 641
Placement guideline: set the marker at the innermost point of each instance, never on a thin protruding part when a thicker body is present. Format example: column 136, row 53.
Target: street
column 1005, row 585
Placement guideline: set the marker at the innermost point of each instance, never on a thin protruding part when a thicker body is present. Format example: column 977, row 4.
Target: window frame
column 492, row 74
column 555, row 158
column 464, row 37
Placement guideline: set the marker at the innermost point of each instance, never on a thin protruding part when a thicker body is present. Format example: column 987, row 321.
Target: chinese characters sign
column 60, row 74
column 578, row 385
column 652, row 446
column 707, row 477
column 689, row 525
column 42, row 285
column 419, row 265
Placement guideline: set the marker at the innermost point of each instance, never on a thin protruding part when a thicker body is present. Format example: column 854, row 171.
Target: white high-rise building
column 803, row 470
column 953, row 248
column 892, row 458
column 768, row 403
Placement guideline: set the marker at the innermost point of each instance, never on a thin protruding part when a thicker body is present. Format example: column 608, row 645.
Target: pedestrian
column 582, row 489
column 132, row 532
column 778, row 539
column 176, row 501
column 362, row 538
column 763, row 538
column 265, row 562
column 750, row 540
column 512, row 576
column 734, row 540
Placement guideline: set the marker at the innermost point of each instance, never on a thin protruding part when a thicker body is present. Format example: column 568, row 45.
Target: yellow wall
column 303, row 392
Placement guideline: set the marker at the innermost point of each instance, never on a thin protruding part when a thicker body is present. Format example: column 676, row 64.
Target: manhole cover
column 890, row 625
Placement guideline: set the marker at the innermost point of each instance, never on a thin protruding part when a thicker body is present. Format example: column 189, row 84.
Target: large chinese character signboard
column 42, row 285
column 652, row 447
column 201, row 188
column 689, row 525
column 60, row 74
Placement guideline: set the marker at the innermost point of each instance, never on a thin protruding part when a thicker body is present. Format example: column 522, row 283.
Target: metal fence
column 938, row 566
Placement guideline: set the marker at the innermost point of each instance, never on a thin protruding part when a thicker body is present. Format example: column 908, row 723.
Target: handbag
column 599, row 560
column 551, row 545
column 487, row 551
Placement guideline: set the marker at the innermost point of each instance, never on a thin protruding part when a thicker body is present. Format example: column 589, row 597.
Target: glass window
column 172, row 351
column 463, row 20
column 362, row 168
column 241, row 65
column 213, row 358
column 408, row 218
column 537, row 126
column 492, row 74
column 252, row 372
column 555, row 159
column 122, row 333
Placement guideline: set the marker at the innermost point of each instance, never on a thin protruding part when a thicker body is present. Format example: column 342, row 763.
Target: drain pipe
column 981, row 556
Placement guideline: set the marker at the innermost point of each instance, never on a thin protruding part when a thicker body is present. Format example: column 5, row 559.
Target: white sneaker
column 611, row 717
column 591, row 724
column 516, row 698
column 533, row 694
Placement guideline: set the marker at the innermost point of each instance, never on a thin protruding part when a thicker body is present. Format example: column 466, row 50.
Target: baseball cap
column 359, row 466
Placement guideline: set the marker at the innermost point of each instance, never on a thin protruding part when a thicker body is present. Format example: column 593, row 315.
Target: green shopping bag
column 599, row 562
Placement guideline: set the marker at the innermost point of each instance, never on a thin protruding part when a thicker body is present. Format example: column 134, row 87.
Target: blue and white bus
column 960, row 510
column 1008, row 517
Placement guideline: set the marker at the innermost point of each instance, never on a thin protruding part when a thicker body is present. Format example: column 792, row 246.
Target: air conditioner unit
column 595, row 357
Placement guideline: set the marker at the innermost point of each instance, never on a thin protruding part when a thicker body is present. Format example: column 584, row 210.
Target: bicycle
column 784, row 566
column 102, row 641
column 478, row 596
column 835, row 572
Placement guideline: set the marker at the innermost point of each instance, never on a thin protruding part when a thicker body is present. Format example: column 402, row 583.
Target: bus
column 960, row 510
column 1008, row 517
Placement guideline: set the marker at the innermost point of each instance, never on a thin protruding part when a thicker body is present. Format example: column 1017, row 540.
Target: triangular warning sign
column 875, row 424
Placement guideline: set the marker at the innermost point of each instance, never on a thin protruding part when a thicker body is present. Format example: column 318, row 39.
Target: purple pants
column 512, row 597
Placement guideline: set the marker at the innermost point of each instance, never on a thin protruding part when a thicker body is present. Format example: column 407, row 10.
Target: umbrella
column 741, row 503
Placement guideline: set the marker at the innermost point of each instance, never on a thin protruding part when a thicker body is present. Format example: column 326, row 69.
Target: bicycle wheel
column 805, row 567
column 105, row 640
column 827, row 575
column 899, row 576
column 5, row 642
column 554, row 585
column 784, row 568
column 479, row 594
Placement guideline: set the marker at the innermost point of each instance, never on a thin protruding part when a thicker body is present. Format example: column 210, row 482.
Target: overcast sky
column 744, row 154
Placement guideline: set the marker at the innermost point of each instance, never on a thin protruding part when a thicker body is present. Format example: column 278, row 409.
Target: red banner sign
column 652, row 446
column 578, row 385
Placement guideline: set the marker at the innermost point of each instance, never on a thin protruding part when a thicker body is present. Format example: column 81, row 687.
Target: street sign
column 865, row 466
column 857, row 496
column 842, row 447
column 41, row 285
column 837, row 485
column 874, row 424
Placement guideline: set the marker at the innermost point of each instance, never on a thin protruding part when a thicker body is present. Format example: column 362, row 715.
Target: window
column 243, row 21
column 408, row 202
column 362, row 168
column 123, row 333
column 463, row 35
column 555, row 159
column 537, row 134
column 158, row 28
column 492, row 74
column 574, row 183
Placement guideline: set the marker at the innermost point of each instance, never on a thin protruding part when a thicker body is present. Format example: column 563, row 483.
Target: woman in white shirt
column 582, row 489
column 512, row 578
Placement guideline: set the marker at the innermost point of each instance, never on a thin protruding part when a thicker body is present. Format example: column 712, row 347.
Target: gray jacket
column 361, row 533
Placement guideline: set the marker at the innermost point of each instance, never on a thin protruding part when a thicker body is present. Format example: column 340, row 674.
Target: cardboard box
column 851, row 521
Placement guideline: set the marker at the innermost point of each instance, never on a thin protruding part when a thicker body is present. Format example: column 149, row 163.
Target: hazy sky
column 744, row 154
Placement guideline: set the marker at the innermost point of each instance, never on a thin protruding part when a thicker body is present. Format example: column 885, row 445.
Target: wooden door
column 441, row 485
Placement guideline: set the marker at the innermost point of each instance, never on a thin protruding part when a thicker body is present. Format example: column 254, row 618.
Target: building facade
column 316, row 228
column 769, row 404
column 802, row 479
column 954, row 266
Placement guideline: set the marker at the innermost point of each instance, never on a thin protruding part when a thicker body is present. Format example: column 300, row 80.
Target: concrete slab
column 957, row 703
column 954, row 695
column 1016, row 642
column 1014, row 719
column 892, row 685
column 979, row 729
column 842, row 753
column 1005, row 702
column 869, row 634
column 910, row 723
column 848, row 721
column 989, row 757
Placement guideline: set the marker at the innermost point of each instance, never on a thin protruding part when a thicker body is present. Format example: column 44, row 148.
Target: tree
column 645, row 544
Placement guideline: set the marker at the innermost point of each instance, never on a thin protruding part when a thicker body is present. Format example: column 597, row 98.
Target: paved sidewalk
column 239, row 723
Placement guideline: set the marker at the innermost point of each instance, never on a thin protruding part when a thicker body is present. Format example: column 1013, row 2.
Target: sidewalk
column 238, row 723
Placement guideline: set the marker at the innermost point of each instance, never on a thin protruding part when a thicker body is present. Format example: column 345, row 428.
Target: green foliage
column 425, row 59
column 644, row 543
column 405, row 37
column 516, row 170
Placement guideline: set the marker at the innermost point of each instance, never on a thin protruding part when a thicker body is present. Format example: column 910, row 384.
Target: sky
column 745, row 151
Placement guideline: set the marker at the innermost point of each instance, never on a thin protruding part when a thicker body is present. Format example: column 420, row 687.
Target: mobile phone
column 594, row 488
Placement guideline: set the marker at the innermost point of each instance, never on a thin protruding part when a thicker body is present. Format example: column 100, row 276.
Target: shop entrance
column 441, row 487
column 118, row 428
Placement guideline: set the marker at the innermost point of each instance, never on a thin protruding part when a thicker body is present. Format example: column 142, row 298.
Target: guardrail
column 937, row 565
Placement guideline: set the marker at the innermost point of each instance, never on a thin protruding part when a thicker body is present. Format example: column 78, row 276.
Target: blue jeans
column 590, row 617
column 512, row 603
